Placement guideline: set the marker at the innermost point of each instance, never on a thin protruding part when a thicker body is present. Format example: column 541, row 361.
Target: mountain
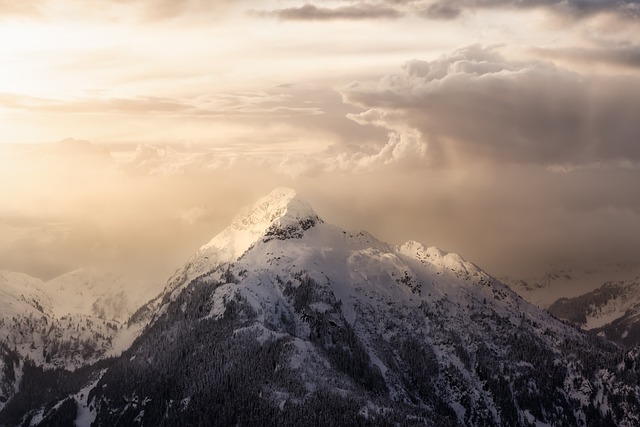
column 612, row 310
column 97, row 292
column 67, row 322
column 283, row 319
column 31, row 331
column 21, row 294
column 568, row 281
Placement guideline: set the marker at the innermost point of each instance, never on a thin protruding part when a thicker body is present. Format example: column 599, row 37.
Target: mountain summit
column 283, row 207
column 279, row 215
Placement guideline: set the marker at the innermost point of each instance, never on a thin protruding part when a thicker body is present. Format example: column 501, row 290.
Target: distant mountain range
column 283, row 319
column 568, row 281
column 604, row 301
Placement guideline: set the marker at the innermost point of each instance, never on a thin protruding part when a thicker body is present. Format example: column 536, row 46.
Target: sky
column 132, row 131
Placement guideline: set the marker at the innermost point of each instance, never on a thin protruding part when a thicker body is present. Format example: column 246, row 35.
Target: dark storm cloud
column 474, row 103
column 357, row 11
column 573, row 8
column 440, row 11
column 451, row 9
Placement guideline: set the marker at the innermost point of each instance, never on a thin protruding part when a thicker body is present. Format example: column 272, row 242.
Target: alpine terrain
column 283, row 319
column 612, row 310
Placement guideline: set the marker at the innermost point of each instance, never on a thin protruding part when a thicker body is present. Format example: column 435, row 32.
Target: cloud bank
column 452, row 9
column 475, row 104
column 573, row 8
column 357, row 11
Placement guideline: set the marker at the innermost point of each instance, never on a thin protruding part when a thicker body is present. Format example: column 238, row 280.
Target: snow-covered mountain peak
column 282, row 206
column 280, row 215
column 438, row 258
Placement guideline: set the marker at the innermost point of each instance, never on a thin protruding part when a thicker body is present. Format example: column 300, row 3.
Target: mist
column 145, row 210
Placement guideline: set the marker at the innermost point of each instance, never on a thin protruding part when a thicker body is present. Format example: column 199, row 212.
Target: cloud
column 357, row 11
column 95, row 105
column 242, row 104
column 572, row 8
column 440, row 11
column 451, row 9
column 167, row 9
column 476, row 104
column 171, row 161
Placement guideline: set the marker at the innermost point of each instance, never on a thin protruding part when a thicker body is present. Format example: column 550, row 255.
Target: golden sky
column 503, row 130
column 148, row 70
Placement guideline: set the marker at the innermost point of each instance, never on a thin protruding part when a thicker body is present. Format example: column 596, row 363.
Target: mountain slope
column 283, row 319
column 20, row 297
column 95, row 292
column 65, row 323
column 21, row 294
column 612, row 310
